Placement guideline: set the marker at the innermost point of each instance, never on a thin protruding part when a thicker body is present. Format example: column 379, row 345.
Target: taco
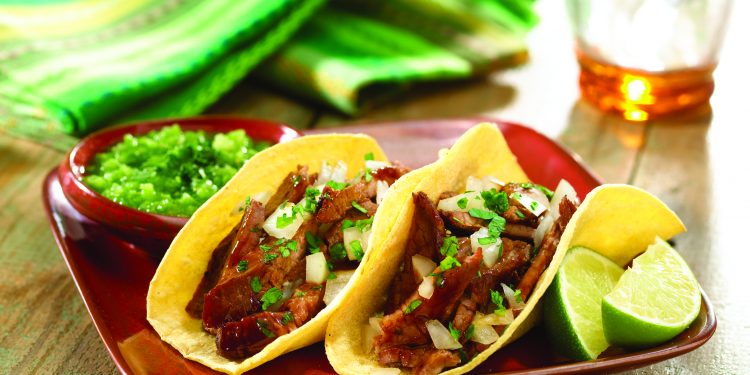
column 471, row 254
column 256, row 270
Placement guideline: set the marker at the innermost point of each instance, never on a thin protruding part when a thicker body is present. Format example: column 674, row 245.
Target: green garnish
column 346, row 224
column 461, row 203
column 455, row 333
column 337, row 251
column 497, row 299
column 526, row 185
column 313, row 242
column 299, row 293
column 284, row 252
column 534, row 205
column 255, row 284
column 449, row 246
column 448, row 263
column 336, row 185
column 517, row 295
column 169, row 171
column 331, row 275
column 358, row 207
column 288, row 317
column 242, row 266
column 363, row 224
column 270, row 297
column 311, row 204
column 278, row 242
column 357, row 250
column 481, row 214
column 369, row 156
column 469, row 332
column 549, row 193
column 284, row 220
column 317, row 287
column 368, row 175
column 520, row 214
column 266, row 247
column 263, row 326
column 495, row 200
column 412, row 306
column 486, row 240
column 268, row 257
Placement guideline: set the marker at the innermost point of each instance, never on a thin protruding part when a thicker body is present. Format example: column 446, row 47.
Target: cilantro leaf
column 448, row 263
column 369, row 156
column 412, row 306
column 242, row 266
column 337, row 251
column 256, row 285
column 288, row 317
column 449, row 246
column 270, row 297
column 313, row 242
column 481, row 214
column 263, row 325
column 336, row 185
column 455, row 333
column 461, row 203
column 497, row 299
column 357, row 250
column 495, row 200
column 549, row 193
column 359, row 208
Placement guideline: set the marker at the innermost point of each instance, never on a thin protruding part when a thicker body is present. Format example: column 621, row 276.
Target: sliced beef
column 425, row 360
column 241, row 339
column 283, row 268
column 335, row 203
column 247, row 238
column 305, row 303
column 292, row 189
column 335, row 234
column 425, row 238
column 462, row 221
column 547, row 248
column 211, row 276
column 519, row 231
column 400, row 328
column 230, row 301
column 390, row 173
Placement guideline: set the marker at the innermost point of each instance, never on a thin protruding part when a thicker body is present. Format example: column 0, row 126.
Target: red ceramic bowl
column 155, row 231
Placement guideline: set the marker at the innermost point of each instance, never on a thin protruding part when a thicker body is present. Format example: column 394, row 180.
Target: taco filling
column 289, row 255
column 470, row 263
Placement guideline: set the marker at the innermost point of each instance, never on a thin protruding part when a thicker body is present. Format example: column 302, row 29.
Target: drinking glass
column 647, row 58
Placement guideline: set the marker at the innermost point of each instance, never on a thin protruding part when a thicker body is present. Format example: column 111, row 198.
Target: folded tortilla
column 618, row 220
column 184, row 263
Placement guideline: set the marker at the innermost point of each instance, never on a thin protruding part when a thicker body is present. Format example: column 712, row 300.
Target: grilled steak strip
column 241, row 339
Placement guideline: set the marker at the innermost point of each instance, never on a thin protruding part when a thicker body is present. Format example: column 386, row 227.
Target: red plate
column 113, row 275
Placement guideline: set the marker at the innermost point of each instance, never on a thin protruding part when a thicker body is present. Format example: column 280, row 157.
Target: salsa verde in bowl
column 144, row 180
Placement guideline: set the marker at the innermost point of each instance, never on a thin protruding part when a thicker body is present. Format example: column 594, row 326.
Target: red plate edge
column 613, row 363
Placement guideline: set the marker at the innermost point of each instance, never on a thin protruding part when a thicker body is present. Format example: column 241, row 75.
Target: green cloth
column 68, row 67
column 72, row 66
column 361, row 51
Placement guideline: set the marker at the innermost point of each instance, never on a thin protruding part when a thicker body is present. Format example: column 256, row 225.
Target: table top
column 693, row 164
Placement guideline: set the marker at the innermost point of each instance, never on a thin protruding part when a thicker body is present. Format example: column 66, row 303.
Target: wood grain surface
column 698, row 165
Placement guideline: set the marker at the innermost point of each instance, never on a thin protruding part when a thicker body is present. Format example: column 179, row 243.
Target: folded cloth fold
column 77, row 65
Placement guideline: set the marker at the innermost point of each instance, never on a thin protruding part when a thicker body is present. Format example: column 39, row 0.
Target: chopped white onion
column 427, row 287
column 368, row 336
column 334, row 286
column 440, row 336
column 316, row 268
column 261, row 197
column 375, row 164
column 331, row 173
column 564, row 189
column 385, row 371
column 493, row 319
column 510, row 296
column 422, row 265
column 382, row 188
column 542, row 229
column 375, row 323
column 493, row 180
column 473, row 200
column 353, row 234
column 490, row 252
column 536, row 207
column 288, row 231
column 484, row 334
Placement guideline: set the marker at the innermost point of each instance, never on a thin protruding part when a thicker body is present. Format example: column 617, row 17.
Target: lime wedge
column 572, row 304
column 654, row 301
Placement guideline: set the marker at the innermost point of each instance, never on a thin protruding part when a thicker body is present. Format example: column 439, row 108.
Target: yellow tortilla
column 601, row 222
column 183, row 265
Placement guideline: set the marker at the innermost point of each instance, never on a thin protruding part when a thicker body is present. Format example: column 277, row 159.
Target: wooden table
column 699, row 167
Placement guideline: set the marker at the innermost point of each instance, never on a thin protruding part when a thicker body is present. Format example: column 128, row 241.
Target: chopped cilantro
column 263, row 326
column 526, row 185
column 549, row 193
column 256, row 285
column 450, row 246
column 363, row 224
column 242, row 266
column 516, row 196
column 331, row 275
column 288, row 317
column 270, row 297
column 486, row 241
column 481, row 214
column 495, row 200
column 412, row 306
column 346, row 224
column 357, row 250
column 336, row 185
column 284, row 251
column 520, row 214
column 266, row 247
column 462, row 203
column 496, row 226
column 299, row 293
column 313, row 242
column 311, row 203
column 368, row 175
column 448, row 263
column 284, row 220
column 469, row 332
column 517, row 295
column 369, row 156
column 455, row 333
column 268, row 257
column 291, row 245
column 358, row 207
column 317, row 287
column 534, row 205
column 497, row 299
column 337, row 251
column 278, row 242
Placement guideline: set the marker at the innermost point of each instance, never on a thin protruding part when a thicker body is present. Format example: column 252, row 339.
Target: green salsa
column 169, row 171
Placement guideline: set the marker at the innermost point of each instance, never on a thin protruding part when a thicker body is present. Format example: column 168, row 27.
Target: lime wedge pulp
column 572, row 304
column 655, row 299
